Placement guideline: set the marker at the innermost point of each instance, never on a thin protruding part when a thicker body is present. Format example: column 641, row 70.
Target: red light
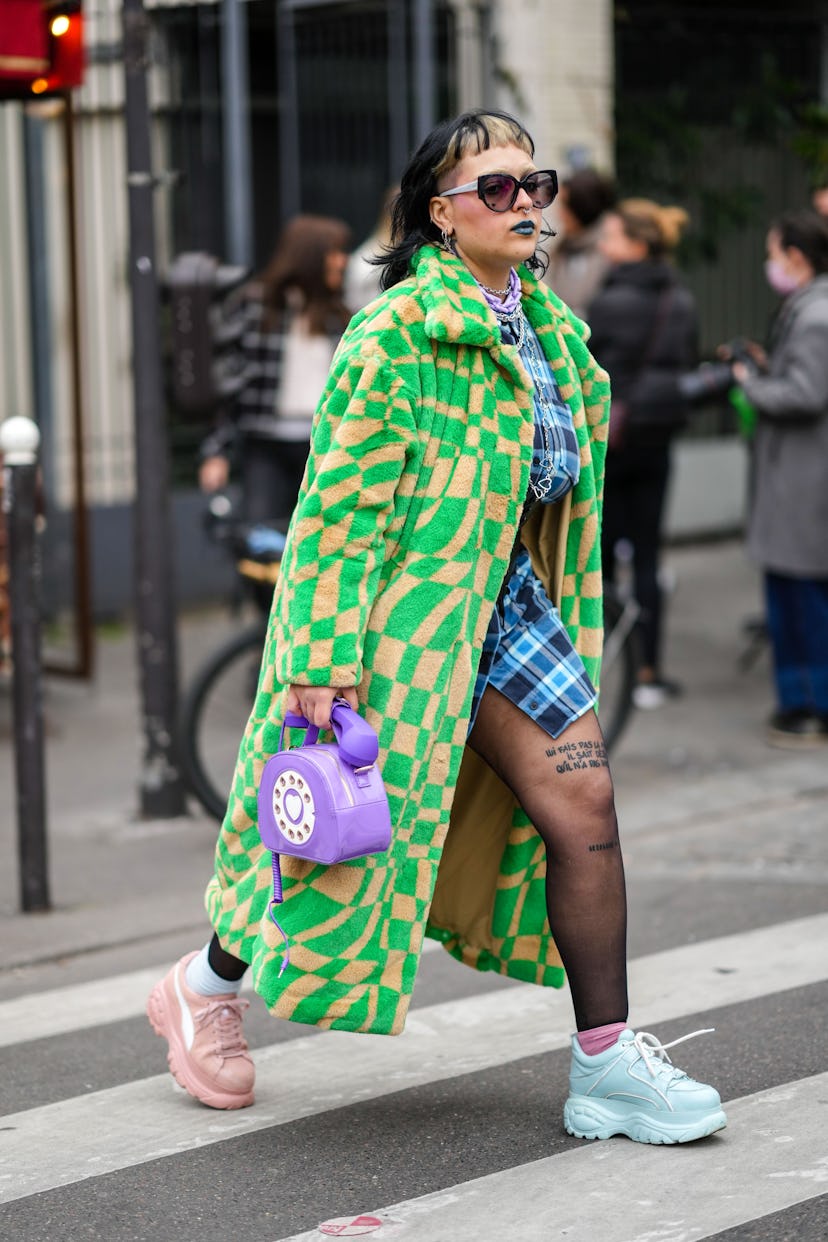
column 41, row 48
column 66, row 69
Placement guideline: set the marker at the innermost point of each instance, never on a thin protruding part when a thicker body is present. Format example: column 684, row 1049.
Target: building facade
column 338, row 93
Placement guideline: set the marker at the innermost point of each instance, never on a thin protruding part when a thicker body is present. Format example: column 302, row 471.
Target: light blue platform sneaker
column 633, row 1088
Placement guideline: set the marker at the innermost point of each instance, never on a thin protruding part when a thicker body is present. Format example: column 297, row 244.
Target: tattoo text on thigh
column 574, row 756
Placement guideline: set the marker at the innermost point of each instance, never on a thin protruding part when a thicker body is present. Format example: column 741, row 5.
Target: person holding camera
column 644, row 332
column 787, row 532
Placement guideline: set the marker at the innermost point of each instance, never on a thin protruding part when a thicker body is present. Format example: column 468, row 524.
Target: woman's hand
column 748, row 350
column 315, row 702
column 758, row 354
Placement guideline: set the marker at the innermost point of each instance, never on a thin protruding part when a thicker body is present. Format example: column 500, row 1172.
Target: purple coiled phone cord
column 277, row 899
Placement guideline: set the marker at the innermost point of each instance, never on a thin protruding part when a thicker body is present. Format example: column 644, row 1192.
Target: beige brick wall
column 554, row 69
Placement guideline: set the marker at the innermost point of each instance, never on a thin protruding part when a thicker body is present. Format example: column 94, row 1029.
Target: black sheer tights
column 564, row 785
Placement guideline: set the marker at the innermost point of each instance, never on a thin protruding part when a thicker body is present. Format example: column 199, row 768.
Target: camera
column 713, row 379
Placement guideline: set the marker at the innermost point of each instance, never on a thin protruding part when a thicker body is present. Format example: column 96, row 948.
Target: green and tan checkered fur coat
column 418, row 469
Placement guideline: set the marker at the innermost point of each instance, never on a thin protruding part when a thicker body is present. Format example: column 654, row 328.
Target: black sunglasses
column 499, row 190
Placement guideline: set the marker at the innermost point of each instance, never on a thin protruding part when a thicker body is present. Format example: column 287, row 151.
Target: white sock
column 201, row 977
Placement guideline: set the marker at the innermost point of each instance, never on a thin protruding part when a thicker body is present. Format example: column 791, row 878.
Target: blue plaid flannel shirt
column 527, row 652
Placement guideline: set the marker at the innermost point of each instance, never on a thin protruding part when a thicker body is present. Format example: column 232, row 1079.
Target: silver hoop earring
column 447, row 241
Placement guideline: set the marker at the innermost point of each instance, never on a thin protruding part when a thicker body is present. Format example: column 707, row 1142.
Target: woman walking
column 452, row 492
column 788, row 521
column 644, row 331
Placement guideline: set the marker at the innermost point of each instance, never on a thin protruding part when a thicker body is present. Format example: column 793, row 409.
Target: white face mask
column 780, row 280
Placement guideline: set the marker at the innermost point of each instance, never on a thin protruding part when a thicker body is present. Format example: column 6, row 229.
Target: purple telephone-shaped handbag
column 323, row 801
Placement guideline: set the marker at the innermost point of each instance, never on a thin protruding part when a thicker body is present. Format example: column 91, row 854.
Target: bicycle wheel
column 214, row 714
column 618, row 668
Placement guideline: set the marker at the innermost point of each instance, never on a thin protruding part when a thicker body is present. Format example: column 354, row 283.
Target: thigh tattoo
column 576, row 756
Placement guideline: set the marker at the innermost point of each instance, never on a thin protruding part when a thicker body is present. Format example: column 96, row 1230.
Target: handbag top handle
column 358, row 743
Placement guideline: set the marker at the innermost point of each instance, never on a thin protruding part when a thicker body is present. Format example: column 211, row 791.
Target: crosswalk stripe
column 59, row 1011
column 77, row 1007
column 74, row 1139
column 619, row 1192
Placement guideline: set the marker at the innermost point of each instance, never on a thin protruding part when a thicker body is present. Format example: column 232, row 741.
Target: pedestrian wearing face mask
column 788, row 521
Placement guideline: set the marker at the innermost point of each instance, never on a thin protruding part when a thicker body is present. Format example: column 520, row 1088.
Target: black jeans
column 635, row 489
column 271, row 474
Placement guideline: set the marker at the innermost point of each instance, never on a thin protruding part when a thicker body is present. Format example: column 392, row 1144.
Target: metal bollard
column 19, row 441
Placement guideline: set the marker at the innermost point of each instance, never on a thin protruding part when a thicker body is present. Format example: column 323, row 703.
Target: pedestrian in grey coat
column 788, row 521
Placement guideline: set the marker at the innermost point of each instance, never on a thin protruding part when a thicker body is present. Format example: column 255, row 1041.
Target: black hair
column 444, row 148
column 808, row 232
column 589, row 194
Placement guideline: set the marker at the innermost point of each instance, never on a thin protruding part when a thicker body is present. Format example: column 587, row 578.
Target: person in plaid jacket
column 289, row 322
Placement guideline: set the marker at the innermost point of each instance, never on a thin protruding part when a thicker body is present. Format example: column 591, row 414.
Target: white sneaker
column 648, row 695
column 634, row 1089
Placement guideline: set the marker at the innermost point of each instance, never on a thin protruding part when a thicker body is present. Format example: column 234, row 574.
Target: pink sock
column 599, row 1038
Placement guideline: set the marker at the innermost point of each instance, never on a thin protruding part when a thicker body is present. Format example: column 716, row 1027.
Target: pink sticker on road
column 350, row 1226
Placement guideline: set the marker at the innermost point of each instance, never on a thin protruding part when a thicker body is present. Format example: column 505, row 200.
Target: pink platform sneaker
column 208, row 1054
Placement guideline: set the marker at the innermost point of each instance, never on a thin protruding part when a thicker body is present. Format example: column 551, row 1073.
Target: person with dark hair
column 452, row 494
column 577, row 266
column 289, row 321
column 644, row 331
column 819, row 196
column 362, row 275
column 788, row 519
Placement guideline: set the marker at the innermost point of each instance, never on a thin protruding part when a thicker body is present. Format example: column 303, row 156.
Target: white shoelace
column 654, row 1053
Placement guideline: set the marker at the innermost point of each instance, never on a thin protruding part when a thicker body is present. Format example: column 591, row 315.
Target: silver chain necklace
column 514, row 317
column 541, row 485
column 498, row 293
column 546, row 478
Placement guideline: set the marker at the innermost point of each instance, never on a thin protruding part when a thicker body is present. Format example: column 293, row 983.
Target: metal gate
column 361, row 82
column 339, row 93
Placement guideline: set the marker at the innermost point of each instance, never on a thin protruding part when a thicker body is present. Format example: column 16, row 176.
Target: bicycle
column 217, row 703
column 619, row 664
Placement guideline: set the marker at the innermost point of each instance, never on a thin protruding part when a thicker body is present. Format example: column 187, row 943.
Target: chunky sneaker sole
column 634, row 1089
column 204, row 1035
column 591, row 1119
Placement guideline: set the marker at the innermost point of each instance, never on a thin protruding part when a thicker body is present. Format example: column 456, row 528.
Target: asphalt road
column 453, row 1131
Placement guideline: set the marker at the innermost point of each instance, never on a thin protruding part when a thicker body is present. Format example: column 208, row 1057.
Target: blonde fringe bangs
column 500, row 133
